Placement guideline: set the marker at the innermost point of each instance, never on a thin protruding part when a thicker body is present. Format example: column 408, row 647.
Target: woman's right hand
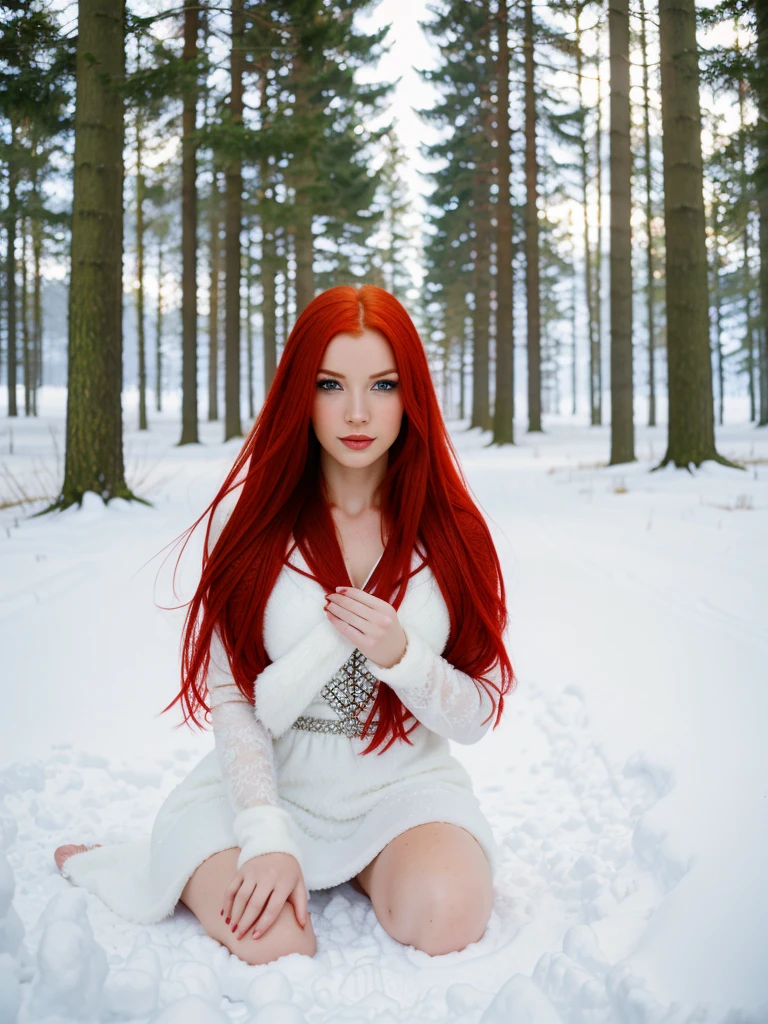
column 261, row 887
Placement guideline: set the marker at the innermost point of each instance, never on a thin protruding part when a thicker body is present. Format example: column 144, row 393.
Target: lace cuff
column 442, row 697
column 246, row 759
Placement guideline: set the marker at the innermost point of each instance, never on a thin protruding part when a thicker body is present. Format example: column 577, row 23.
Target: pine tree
column 532, row 268
column 743, row 71
column 622, row 392
column 691, row 437
column 760, row 85
column 36, row 65
column 504, row 400
column 650, row 297
column 94, row 438
column 189, row 422
column 322, row 143
column 233, row 176
column 460, row 219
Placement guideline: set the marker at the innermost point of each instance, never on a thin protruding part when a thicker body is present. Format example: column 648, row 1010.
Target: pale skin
column 431, row 886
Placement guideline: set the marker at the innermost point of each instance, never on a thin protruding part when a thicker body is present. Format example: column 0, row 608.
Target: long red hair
column 424, row 498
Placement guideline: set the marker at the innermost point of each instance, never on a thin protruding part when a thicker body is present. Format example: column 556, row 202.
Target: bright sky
column 410, row 49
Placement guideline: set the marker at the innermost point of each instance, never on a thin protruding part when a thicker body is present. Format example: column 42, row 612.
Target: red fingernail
column 234, row 927
column 227, row 920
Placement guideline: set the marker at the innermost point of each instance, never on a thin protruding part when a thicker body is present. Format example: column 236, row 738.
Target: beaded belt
column 343, row 727
column 348, row 692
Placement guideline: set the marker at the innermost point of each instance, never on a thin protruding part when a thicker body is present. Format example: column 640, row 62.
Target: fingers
column 344, row 615
column 363, row 617
column 252, row 908
column 268, row 914
column 355, row 594
column 364, row 604
column 299, row 898
column 229, row 896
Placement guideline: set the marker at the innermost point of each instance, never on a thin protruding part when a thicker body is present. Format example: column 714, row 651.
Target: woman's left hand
column 370, row 623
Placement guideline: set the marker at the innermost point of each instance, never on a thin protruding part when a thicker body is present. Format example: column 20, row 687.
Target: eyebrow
column 332, row 373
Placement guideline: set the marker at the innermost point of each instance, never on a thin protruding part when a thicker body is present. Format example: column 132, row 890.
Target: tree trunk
column 649, row 296
column 189, row 421
column 140, row 333
column 717, row 304
column 268, row 304
column 532, row 286
column 481, row 286
column 268, row 264
column 691, row 437
column 281, row 287
column 761, row 188
column 302, row 178
column 588, row 290
column 480, row 326
column 463, row 374
column 94, row 438
column 574, row 388
column 622, row 419
column 214, row 233
column 26, row 334
column 303, row 241
column 746, row 277
column 249, row 324
column 504, row 400
column 159, row 331
column 749, row 340
column 37, row 309
column 10, row 274
column 232, row 227
column 481, row 198
column 597, row 305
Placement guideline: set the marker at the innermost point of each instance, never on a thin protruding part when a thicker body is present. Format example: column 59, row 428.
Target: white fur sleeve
column 442, row 697
column 246, row 759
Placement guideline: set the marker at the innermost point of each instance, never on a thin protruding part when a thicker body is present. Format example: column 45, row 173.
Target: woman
column 349, row 584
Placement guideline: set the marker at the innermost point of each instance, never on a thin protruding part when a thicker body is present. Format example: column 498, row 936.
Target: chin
column 360, row 458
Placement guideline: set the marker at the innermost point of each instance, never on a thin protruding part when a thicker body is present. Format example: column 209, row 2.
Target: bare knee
column 439, row 914
column 284, row 936
column 203, row 894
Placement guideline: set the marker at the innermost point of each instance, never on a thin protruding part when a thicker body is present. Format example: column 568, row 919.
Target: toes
column 63, row 853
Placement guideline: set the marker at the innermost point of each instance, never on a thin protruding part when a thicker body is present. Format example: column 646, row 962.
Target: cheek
column 393, row 417
column 322, row 417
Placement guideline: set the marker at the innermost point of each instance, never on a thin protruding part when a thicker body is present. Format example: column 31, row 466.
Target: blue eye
column 329, row 380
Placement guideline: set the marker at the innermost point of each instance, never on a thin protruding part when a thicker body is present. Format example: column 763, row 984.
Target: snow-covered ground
column 626, row 784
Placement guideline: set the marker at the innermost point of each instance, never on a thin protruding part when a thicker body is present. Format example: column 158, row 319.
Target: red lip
column 356, row 437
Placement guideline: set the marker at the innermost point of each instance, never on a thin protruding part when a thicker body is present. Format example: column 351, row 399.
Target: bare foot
column 63, row 853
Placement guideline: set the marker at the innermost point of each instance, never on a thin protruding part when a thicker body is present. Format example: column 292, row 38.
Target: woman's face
column 357, row 391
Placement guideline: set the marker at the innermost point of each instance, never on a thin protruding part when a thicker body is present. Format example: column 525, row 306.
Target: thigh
column 431, row 887
column 204, row 895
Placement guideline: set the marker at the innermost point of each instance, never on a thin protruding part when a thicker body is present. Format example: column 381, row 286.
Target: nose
column 357, row 407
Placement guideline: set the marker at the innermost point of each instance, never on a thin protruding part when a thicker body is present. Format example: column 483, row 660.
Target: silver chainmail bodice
column 348, row 692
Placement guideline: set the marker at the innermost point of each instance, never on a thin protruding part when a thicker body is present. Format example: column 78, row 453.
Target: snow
column 626, row 784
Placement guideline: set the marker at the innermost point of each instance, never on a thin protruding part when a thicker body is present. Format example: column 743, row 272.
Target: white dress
column 271, row 786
